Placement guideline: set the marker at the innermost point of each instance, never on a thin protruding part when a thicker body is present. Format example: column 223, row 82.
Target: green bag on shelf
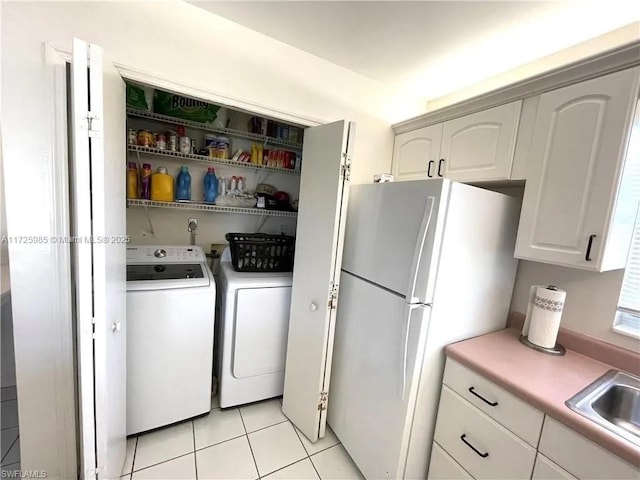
column 177, row 106
column 136, row 97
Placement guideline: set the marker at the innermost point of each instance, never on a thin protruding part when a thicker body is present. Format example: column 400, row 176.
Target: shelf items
column 209, row 160
column 226, row 131
column 208, row 208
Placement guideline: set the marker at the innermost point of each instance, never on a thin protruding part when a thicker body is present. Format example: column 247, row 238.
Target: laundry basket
column 258, row 252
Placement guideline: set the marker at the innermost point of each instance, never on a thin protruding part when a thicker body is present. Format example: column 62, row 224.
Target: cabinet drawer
column 480, row 445
column 545, row 469
column 443, row 467
column 580, row 456
column 511, row 412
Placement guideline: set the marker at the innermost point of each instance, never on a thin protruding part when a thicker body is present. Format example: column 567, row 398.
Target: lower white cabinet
column 492, row 444
column 580, row 456
column 443, row 467
column 505, row 408
column 479, row 444
column 545, row 469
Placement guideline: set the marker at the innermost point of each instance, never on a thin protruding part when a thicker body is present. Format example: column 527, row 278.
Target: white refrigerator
column 425, row 264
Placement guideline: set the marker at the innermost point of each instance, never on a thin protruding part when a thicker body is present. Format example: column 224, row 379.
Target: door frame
column 64, row 400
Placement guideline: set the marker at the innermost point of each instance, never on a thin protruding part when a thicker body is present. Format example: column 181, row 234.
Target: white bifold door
column 98, row 129
column 319, row 237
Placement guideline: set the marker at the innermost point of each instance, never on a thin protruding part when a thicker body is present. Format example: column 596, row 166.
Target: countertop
column 544, row 381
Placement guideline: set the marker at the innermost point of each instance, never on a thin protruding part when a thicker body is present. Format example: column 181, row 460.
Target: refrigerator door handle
column 409, row 309
column 419, row 248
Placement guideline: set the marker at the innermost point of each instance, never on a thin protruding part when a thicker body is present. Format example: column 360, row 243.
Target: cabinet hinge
column 332, row 304
column 93, row 127
column 324, row 399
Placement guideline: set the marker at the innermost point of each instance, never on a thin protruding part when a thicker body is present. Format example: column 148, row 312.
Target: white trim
column 626, row 331
column 135, row 74
column 621, row 58
column 65, row 398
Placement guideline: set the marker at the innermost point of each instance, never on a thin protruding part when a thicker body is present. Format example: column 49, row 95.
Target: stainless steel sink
column 613, row 402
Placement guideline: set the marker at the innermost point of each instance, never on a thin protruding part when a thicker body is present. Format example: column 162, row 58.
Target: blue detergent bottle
column 210, row 186
column 183, row 185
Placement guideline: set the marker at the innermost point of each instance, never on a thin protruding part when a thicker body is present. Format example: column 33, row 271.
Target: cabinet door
column 415, row 153
column 480, row 146
column 580, row 456
column 443, row 467
column 575, row 166
column 545, row 469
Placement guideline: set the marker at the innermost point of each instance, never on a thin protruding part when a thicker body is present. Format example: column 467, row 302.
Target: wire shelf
column 209, row 160
column 136, row 202
column 226, row 131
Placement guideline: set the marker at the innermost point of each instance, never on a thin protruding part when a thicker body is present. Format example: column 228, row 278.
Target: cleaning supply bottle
column 146, row 181
column 210, row 186
column 183, row 185
column 162, row 186
column 132, row 180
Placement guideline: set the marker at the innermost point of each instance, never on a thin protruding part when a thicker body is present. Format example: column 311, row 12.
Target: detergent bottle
column 146, row 181
column 162, row 186
column 132, row 180
column 210, row 186
column 183, row 185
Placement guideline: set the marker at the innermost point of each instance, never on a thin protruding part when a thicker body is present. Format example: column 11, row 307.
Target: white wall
column 172, row 40
column 595, row 46
column 591, row 298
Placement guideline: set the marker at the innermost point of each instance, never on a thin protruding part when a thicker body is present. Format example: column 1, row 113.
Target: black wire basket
column 258, row 252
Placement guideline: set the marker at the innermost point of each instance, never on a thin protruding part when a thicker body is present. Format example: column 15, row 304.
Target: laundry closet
column 273, row 177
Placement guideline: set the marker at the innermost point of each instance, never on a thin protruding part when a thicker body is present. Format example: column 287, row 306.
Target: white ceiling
column 429, row 48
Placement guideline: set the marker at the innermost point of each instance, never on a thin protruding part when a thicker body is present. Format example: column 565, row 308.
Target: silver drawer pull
column 483, row 455
column 493, row 404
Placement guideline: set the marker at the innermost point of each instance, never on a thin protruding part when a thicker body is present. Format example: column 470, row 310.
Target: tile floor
column 10, row 435
column 250, row 442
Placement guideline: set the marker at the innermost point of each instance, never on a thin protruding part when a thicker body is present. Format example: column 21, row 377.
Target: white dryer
column 252, row 334
column 171, row 298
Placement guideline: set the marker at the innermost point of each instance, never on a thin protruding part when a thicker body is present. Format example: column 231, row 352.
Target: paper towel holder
column 557, row 349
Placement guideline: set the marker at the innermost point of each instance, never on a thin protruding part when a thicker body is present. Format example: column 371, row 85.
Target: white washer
column 171, row 297
column 252, row 336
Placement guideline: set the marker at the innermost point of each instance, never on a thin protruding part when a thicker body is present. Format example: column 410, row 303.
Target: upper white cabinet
column 480, row 146
column 416, row 153
column 580, row 198
column 476, row 147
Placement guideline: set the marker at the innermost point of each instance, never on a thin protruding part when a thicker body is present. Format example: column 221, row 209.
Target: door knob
column 115, row 327
column 313, row 307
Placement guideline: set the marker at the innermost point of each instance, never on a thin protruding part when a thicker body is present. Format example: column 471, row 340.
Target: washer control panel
column 139, row 254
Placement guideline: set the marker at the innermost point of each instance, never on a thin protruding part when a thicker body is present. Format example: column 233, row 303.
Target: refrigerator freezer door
column 377, row 358
column 392, row 233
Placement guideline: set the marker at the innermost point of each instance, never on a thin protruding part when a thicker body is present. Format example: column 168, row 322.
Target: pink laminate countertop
column 542, row 380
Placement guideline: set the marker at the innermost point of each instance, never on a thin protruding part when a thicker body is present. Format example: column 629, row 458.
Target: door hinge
column 346, row 166
column 95, row 472
column 93, row 127
column 324, row 399
column 346, row 172
column 332, row 304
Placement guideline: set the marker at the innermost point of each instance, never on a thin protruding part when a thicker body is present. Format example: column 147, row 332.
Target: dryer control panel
column 150, row 254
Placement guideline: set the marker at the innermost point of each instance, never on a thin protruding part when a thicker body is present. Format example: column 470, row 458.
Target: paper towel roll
column 527, row 320
column 546, row 313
